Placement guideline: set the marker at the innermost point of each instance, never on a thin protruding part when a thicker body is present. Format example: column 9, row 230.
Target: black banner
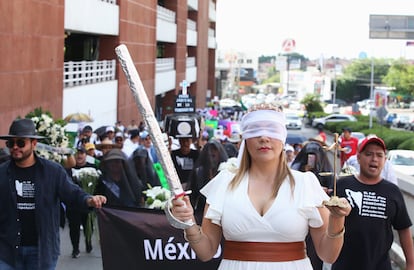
column 143, row 239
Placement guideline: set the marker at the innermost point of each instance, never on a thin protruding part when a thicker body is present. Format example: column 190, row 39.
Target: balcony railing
column 165, row 14
column 88, row 72
column 190, row 62
column 191, row 25
column 164, row 64
column 110, row 1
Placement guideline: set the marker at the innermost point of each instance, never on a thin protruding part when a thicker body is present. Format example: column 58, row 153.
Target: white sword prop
column 144, row 107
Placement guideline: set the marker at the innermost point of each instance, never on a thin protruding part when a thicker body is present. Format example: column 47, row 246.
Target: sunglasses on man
column 19, row 142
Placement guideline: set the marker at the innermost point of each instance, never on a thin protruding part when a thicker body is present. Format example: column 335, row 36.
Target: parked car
column 340, row 102
column 402, row 161
column 294, row 138
column 366, row 103
column 389, row 117
column 401, row 121
column 336, row 117
column 410, row 125
column 331, row 108
column 293, row 121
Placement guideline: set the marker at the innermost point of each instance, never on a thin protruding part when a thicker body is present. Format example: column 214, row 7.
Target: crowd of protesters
column 126, row 157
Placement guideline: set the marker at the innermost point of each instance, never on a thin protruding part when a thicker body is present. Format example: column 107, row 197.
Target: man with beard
column 31, row 190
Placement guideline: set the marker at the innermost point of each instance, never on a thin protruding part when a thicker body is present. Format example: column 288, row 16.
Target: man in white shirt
column 131, row 143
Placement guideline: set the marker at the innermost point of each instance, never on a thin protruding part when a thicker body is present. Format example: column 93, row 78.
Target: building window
column 79, row 47
column 160, row 50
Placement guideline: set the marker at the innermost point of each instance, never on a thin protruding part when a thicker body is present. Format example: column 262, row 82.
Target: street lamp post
column 371, row 94
column 334, row 86
column 287, row 72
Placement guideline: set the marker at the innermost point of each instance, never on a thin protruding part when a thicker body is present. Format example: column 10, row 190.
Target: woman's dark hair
column 205, row 168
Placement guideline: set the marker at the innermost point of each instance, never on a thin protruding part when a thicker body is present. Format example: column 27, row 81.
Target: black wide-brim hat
column 22, row 128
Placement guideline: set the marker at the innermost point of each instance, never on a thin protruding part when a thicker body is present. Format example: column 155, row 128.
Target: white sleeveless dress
column 287, row 220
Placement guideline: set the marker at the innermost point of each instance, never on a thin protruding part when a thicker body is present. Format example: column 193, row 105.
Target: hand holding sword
column 144, row 107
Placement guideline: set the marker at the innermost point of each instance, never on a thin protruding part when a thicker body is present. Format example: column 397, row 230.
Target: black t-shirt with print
column 376, row 210
column 24, row 182
column 184, row 164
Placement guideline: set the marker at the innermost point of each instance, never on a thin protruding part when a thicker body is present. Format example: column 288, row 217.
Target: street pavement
column 86, row 261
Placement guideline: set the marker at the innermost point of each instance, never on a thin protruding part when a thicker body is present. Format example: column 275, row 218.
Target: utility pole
column 371, row 94
column 287, row 72
column 334, row 86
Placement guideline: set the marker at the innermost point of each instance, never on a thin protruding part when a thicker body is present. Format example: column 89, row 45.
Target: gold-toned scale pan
column 335, row 147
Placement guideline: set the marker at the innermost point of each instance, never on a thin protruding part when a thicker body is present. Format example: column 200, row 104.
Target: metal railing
column 190, row 62
column 110, row 1
column 165, row 14
column 88, row 72
column 164, row 64
column 191, row 25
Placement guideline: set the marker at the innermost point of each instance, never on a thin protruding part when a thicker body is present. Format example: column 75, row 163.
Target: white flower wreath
column 54, row 135
column 157, row 197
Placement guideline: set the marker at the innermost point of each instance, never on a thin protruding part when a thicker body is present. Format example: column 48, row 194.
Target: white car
column 401, row 120
column 402, row 161
column 336, row 117
column 331, row 108
column 293, row 121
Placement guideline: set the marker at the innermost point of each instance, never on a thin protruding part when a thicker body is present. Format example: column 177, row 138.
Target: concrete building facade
column 59, row 55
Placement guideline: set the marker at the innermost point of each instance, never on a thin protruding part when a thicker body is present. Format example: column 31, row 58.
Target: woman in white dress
column 263, row 209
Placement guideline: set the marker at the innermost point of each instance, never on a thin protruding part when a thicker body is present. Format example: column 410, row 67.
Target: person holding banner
column 263, row 209
column 31, row 190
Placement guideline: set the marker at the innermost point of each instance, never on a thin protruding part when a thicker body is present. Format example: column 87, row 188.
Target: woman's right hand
column 182, row 209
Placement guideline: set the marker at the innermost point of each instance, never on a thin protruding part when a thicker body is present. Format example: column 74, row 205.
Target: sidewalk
column 86, row 261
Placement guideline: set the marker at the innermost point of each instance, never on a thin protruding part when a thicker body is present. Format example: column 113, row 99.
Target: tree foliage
column 401, row 76
column 312, row 103
column 350, row 90
column 360, row 70
column 355, row 84
column 272, row 76
column 267, row 59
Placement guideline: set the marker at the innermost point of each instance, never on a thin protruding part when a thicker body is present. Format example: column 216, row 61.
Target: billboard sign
column 391, row 27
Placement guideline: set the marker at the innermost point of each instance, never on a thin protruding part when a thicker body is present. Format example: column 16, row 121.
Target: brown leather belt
column 264, row 251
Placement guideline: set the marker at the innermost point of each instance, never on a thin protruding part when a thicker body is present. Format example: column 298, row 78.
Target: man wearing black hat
column 31, row 189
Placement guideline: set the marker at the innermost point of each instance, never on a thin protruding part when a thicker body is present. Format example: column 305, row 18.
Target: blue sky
column 319, row 27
